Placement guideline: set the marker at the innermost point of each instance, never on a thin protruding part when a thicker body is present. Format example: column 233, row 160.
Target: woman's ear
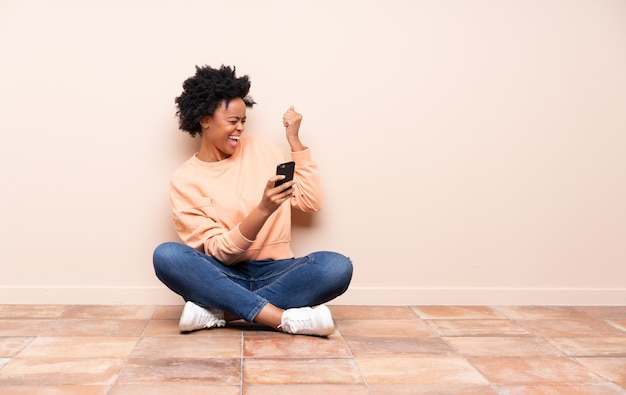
column 205, row 121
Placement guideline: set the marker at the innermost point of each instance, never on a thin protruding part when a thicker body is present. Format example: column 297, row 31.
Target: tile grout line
column 536, row 335
column 125, row 361
column 35, row 337
column 565, row 354
column 459, row 354
column 367, row 385
column 533, row 334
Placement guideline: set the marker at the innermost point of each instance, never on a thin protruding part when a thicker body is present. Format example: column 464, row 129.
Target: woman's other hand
column 291, row 122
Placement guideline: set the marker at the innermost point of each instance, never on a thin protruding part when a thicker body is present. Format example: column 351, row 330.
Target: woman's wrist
column 253, row 223
column 295, row 144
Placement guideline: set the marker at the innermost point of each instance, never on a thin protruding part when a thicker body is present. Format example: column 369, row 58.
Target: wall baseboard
column 158, row 295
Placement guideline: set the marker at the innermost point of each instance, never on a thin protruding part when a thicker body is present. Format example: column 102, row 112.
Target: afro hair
column 204, row 92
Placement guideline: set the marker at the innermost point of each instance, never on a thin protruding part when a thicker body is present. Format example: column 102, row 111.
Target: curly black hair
column 204, row 92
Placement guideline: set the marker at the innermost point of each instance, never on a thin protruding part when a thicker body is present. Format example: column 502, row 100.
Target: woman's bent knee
column 337, row 267
column 166, row 254
column 346, row 270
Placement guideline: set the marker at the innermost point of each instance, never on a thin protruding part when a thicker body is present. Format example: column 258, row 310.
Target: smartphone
column 285, row 169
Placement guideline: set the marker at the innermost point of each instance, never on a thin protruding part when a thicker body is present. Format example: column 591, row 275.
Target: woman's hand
column 274, row 197
column 291, row 122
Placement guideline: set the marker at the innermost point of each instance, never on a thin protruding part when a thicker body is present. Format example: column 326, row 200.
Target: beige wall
column 473, row 152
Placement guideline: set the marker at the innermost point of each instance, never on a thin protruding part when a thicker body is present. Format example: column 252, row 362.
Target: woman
column 236, row 261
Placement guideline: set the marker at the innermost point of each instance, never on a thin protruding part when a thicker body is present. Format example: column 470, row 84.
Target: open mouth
column 234, row 140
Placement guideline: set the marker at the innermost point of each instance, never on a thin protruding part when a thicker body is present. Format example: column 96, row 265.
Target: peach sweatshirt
column 210, row 199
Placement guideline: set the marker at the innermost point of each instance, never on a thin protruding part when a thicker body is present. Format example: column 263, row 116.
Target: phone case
column 285, row 169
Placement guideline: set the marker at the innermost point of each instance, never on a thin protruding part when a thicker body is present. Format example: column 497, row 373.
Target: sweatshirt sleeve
column 308, row 189
column 196, row 222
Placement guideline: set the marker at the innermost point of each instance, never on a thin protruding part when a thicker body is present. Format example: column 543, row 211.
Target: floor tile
column 24, row 327
column 249, row 330
column 604, row 311
column 301, row 371
column 162, row 328
column 613, row 369
column 540, row 312
column 79, row 347
column 95, row 327
column 456, row 312
column 398, row 346
column 156, row 372
column 385, row 328
column 55, row 372
column 168, row 312
column 170, row 328
column 187, row 347
column 10, row 346
column 432, row 389
column 591, row 346
column 32, row 311
column 530, row 371
column 55, row 390
column 288, row 346
column 105, row 311
column 448, row 328
column 372, row 312
column 583, row 389
column 580, row 327
column 512, row 346
column 175, row 389
column 426, row 370
column 308, row 389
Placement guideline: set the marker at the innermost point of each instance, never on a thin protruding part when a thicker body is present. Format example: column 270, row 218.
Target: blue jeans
column 244, row 288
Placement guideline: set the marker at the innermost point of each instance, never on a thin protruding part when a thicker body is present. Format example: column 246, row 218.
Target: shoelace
column 294, row 324
column 220, row 323
column 214, row 321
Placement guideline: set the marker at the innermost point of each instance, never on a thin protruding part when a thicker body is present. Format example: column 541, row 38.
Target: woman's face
column 221, row 131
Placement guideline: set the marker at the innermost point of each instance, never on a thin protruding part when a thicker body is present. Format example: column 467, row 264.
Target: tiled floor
column 121, row 350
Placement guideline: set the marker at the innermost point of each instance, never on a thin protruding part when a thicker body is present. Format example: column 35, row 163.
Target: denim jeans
column 244, row 288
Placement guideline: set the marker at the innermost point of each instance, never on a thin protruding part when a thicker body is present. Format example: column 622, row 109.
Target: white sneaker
column 195, row 317
column 308, row 321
